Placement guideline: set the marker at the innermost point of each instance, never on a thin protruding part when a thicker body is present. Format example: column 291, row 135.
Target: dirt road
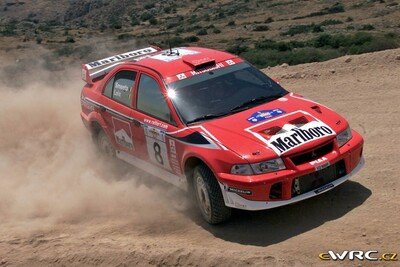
column 60, row 205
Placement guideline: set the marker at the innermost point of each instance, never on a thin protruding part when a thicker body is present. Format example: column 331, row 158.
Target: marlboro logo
column 293, row 136
column 120, row 57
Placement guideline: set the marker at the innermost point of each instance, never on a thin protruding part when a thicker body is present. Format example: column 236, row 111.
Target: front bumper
column 254, row 192
column 234, row 200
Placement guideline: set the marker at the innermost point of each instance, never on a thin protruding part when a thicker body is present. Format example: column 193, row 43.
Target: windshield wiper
column 253, row 101
column 206, row 117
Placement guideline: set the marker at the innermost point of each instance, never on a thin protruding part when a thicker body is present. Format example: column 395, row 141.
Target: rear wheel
column 209, row 196
column 104, row 145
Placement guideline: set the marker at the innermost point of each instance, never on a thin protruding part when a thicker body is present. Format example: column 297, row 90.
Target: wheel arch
column 95, row 128
column 190, row 163
column 97, row 124
column 217, row 211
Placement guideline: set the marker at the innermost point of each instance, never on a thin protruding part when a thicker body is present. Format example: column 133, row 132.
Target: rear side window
column 151, row 100
column 120, row 87
column 109, row 87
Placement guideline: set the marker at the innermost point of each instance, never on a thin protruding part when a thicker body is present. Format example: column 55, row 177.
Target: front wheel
column 209, row 196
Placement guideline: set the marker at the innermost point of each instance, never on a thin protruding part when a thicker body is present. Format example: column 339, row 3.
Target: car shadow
column 264, row 228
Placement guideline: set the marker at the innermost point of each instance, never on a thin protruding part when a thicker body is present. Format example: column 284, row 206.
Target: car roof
column 181, row 60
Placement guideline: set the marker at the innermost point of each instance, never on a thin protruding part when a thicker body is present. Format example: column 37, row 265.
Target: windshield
column 222, row 92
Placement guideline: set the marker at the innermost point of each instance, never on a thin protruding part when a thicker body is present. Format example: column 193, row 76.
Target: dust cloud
column 50, row 169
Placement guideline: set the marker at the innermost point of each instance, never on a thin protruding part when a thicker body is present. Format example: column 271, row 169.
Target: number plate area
column 156, row 146
column 318, row 179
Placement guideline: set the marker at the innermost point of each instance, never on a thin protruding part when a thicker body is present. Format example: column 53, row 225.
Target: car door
column 154, row 111
column 119, row 94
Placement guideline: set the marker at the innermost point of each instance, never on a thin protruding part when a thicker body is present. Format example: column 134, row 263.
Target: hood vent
column 300, row 121
column 272, row 131
column 317, row 109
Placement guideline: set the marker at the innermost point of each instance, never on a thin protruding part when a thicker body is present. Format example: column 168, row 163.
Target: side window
column 151, row 100
column 120, row 87
column 109, row 86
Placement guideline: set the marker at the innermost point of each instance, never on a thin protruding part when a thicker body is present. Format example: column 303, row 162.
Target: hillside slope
column 244, row 26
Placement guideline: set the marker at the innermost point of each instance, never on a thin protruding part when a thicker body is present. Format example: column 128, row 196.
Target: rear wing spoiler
column 98, row 68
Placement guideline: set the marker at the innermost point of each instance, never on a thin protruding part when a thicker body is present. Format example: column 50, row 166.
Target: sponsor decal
column 181, row 76
column 117, row 58
column 217, row 66
column 123, row 133
column 122, row 138
column 239, row 191
column 323, row 188
column 323, row 166
column 121, row 87
column 156, row 123
column 351, row 255
column 263, row 115
column 294, row 136
column 290, row 131
column 154, row 133
column 174, row 157
column 320, row 163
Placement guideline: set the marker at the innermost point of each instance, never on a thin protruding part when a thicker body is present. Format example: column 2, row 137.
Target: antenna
column 169, row 44
column 171, row 53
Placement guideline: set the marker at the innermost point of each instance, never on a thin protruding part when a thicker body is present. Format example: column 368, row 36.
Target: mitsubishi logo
column 313, row 154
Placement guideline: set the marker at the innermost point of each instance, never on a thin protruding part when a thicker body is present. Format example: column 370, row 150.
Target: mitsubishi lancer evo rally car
column 209, row 122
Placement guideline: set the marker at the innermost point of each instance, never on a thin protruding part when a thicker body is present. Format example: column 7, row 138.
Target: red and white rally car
column 210, row 122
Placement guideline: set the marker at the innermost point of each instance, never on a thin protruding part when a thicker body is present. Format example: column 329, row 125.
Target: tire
column 209, row 196
column 104, row 145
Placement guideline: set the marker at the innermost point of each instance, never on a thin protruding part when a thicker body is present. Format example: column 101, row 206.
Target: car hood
column 281, row 127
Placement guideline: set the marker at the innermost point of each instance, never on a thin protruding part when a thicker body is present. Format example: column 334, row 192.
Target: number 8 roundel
column 156, row 146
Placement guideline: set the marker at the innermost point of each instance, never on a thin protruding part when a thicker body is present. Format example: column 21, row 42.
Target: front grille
column 312, row 154
column 317, row 179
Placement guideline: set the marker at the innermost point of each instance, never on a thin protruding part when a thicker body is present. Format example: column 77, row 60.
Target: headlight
column 242, row 169
column 258, row 168
column 343, row 137
column 268, row 166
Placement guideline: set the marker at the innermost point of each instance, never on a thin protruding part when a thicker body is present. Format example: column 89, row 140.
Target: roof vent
column 199, row 61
